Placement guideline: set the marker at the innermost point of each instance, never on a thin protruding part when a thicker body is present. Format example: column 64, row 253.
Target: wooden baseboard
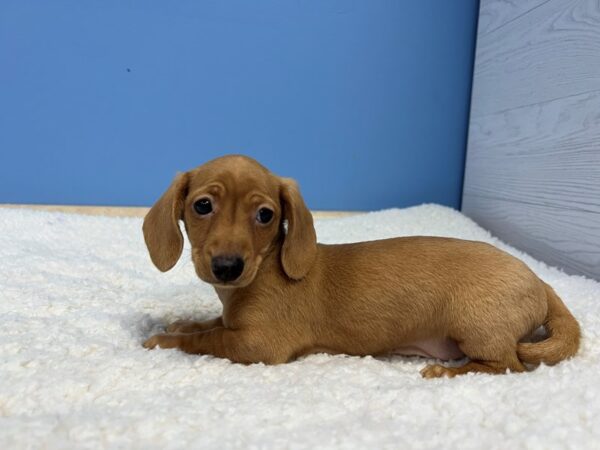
column 137, row 211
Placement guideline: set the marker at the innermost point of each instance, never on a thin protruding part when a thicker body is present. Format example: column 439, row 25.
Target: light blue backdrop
column 364, row 102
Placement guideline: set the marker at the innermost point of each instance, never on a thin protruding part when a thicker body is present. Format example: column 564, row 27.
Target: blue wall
column 365, row 102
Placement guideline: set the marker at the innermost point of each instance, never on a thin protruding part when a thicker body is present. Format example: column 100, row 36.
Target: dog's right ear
column 161, row 225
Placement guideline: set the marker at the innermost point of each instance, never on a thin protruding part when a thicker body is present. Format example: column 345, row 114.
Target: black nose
column 227, row 268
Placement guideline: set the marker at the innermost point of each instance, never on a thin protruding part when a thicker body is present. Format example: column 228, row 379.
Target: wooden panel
column 549, row 52
column 494, row 15
column 544, row 154
column 533, row 162
column 140, row 211
column 560, row 237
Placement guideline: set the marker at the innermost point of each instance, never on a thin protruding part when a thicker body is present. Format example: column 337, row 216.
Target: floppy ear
column 300, row 243
column 161, row 225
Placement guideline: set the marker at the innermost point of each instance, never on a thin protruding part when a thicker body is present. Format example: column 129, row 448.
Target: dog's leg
column 190, row 326
column 494, row 358
column 437, row 370
column 235, row 345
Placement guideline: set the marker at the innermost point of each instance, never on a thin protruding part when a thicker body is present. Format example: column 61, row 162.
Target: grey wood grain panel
column 563, row 238
column 493, row 15
column 550, row 52
column 532, row 173
column 548, row 153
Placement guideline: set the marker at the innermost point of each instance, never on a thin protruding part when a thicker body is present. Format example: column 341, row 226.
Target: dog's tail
column 564, row 335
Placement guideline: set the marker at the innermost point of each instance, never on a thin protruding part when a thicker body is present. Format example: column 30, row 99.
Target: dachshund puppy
column 285, row 296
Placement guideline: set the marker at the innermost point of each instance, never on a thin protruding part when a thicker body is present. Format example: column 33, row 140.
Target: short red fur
column 435, row 296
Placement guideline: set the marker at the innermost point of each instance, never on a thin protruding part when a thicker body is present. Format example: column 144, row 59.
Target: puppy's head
column 233, row 210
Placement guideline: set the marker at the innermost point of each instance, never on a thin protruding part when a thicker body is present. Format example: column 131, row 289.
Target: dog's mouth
column 243, row 280
column 227, row 285
column 234, row 284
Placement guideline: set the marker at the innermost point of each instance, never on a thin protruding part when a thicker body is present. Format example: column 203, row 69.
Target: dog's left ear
column 299, row 248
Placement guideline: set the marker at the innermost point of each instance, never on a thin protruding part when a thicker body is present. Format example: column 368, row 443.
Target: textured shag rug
column 78, row 296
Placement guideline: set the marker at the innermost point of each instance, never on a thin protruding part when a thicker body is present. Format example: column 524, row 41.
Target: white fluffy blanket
column 78, row 295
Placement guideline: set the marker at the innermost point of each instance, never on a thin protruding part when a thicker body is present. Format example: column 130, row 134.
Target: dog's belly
column 440, row 348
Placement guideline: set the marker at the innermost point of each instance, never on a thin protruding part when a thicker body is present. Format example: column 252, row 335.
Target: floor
column 138, row 211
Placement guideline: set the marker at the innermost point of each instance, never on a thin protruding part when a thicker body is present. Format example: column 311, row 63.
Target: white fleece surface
column 78, row 296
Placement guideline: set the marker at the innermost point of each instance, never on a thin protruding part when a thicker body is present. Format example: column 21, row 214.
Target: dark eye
column 264, row 215
column 203, row 206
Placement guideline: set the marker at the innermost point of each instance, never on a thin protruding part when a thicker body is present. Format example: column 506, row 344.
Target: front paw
column 162, row 341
